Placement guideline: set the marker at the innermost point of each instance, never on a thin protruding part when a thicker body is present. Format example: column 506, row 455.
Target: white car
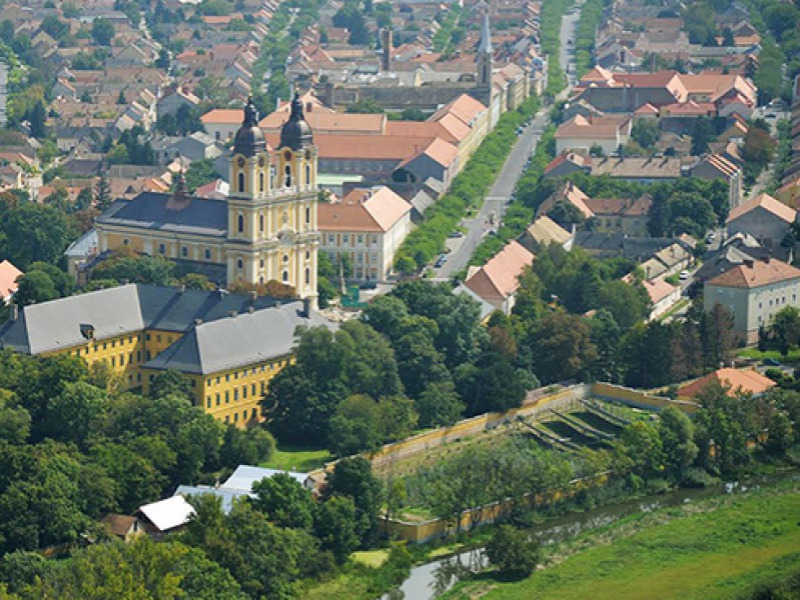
column 684, row 275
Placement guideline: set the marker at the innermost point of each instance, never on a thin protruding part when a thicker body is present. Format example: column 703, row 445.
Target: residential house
column 222, row 123
column 229, row 346
column 193, row 147
column 718, row 166
column 568, row 162
column 765, row 218
column 367, row 226
column 584, row 133
column 125, row 527
column 8, row 280
column 172, row 101
column 754, row 291
column 543, row 232
column 627, row 215
column 747, row 381
column 663, row 296
column 497, row 281
column 439, row 160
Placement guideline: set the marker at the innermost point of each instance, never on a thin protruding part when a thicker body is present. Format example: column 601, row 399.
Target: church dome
column 249, row 140
column 296, row 132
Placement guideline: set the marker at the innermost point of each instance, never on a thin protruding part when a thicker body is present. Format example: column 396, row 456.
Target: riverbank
column 717, row 548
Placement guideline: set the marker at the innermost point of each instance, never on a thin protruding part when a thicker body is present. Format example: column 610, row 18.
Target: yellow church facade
column 265, row 230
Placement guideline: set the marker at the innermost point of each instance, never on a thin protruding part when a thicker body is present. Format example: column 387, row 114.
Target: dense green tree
column 70, row 416
column 335, row 526
column 642, row 443
column 646, row 132
column 15, row 421
column 171, row 382
column 561, row 347
column 492, row 384
column 353, row 477
column 439, row 405
column 460, row 336
column 199, row 173
column 722, row 428
column 784, row 328
column 605, row 334
column 627, row 303
column 34, row 287
column 250, row 446
column 34, row 232
column 513, row 552
column 702, row 134
column 646, row 352
column 284, row 501
column 102, row 31
column 365, row 106
column 361, row 424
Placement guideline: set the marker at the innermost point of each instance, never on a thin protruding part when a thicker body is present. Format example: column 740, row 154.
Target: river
column 424, row 580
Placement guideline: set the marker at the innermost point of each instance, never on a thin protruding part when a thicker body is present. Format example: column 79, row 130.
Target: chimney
column 306, row 308
column 277, row 304
column 253, row 296
column 748, row 262
column 251, row 309
column 13, row 312
column 198, row 321
column 232, row 313
column 309, row 107
column 765, row 258
column 182, row 289
column 386, row 49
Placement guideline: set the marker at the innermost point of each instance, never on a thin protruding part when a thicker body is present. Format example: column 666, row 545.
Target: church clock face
column 240, row 161
column 261, row 161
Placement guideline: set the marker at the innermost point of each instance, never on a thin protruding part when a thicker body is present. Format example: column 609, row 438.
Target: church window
column 162, row 249
column 261, row 280
column 287, row 172
column 240, row 225
column 261, row 263
column 261, row 223
column 272, row 172
column 240, row 264
column 308, row 255
column 286, row 276
column 308, row 275
column 308, row 174
column 261, row 182
column 308, row 215
column 285, row 258
column 126, row 241
column 184, row 251
column 241, row 182
column 208, row 253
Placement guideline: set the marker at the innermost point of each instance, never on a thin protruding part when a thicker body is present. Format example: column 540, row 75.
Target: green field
column 717, row 549
column 297, row 458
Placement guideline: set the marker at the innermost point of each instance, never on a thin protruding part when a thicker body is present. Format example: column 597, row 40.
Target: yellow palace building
column 228, row 346
column 266, row 229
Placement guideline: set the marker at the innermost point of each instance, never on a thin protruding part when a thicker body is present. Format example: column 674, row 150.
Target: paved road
column 461, row 249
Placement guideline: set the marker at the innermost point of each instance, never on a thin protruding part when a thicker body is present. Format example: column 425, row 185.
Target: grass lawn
column 297, row 458
column 371, row 558
column 717, row 549
column 756, row 354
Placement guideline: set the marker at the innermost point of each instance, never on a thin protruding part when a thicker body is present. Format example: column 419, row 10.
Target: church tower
column 272, row 210
column 485, row 63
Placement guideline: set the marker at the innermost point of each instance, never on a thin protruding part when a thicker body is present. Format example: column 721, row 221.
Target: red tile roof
column 747, row 381
column 756, row 274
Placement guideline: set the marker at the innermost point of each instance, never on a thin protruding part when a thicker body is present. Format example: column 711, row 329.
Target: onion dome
column 296, row 132
column 249, row 140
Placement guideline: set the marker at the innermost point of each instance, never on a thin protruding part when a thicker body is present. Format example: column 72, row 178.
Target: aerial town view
column 400, row 299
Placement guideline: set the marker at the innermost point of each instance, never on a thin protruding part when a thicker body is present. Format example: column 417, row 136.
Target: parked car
column 684, row 275
column 771, row 362
column 455, row 234
column 440, row 261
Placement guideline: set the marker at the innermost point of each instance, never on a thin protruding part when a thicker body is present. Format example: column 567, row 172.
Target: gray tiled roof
column 239, row 340
column 149, row 210
column 117, row 311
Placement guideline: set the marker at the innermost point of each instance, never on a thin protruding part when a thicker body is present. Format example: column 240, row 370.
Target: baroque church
column 265, row 230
